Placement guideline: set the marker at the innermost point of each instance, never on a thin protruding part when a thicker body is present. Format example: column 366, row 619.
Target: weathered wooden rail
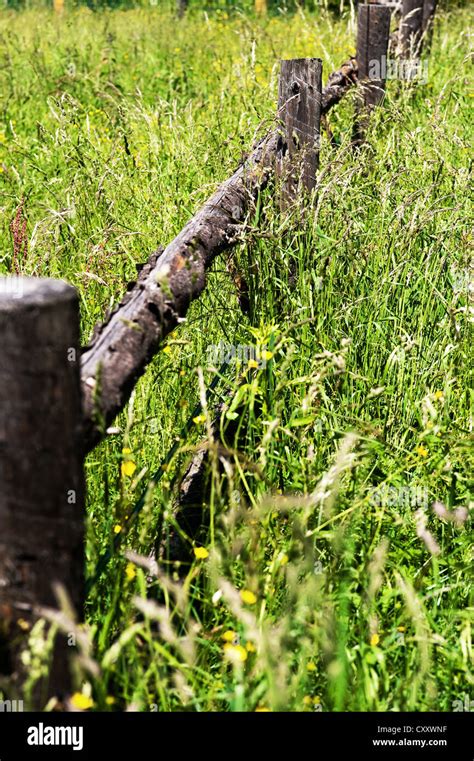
column 56, row 402
column 125, row 343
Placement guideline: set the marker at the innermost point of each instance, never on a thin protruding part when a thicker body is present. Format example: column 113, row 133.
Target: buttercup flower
column 235, row 653
column 81, row 701
column 128, row 468
column 247, row 597
column 422, row 451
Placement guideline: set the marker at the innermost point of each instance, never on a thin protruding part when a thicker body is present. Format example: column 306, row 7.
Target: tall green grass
column 325, row 579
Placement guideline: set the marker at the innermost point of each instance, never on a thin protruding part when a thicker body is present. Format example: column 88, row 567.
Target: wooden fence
column 56, row 400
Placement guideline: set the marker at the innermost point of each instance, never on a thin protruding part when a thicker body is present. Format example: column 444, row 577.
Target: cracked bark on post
column 299, row 110
column 41, row 480
column 338, row 84
column 373, row 29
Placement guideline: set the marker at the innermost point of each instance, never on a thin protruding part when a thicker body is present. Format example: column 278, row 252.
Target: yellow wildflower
column 166, row 349
column 235, row 653
column 307, row 700
column 439, row 396
column 81, row 702
column 262, row 709
column 110, row 700
column 252, row 363
column 374, row 640
column 117, row 528
column 311, row 666
column 267, row 355
column 128, row 468
column 199, row 419
column 130, row 571
column 201, row 553
column 229, row 635
column 422, row 451
column 247, row 597
column 250, row 647
column 401, row 628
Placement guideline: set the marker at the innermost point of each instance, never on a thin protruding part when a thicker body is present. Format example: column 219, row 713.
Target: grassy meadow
column 324, row 580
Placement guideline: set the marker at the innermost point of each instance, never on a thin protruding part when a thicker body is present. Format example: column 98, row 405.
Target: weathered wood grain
column 299, row 112
column 42, row 511
column 373, row 29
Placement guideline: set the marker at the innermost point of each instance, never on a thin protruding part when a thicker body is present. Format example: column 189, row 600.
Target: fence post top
column 18, row 292
column 300, row 60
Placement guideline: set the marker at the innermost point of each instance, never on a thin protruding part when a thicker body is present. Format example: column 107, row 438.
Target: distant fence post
column 429, row 10
column 299, row 111
column 373, row 31
column 181, row 7
column 411, row 27
column 41, row 474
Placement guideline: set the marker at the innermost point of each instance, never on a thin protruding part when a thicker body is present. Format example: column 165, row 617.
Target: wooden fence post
column 41, row 474
column 373, row 30
column 299, row 111
column 181, row 7
column 429, row 10
column 411, row 28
